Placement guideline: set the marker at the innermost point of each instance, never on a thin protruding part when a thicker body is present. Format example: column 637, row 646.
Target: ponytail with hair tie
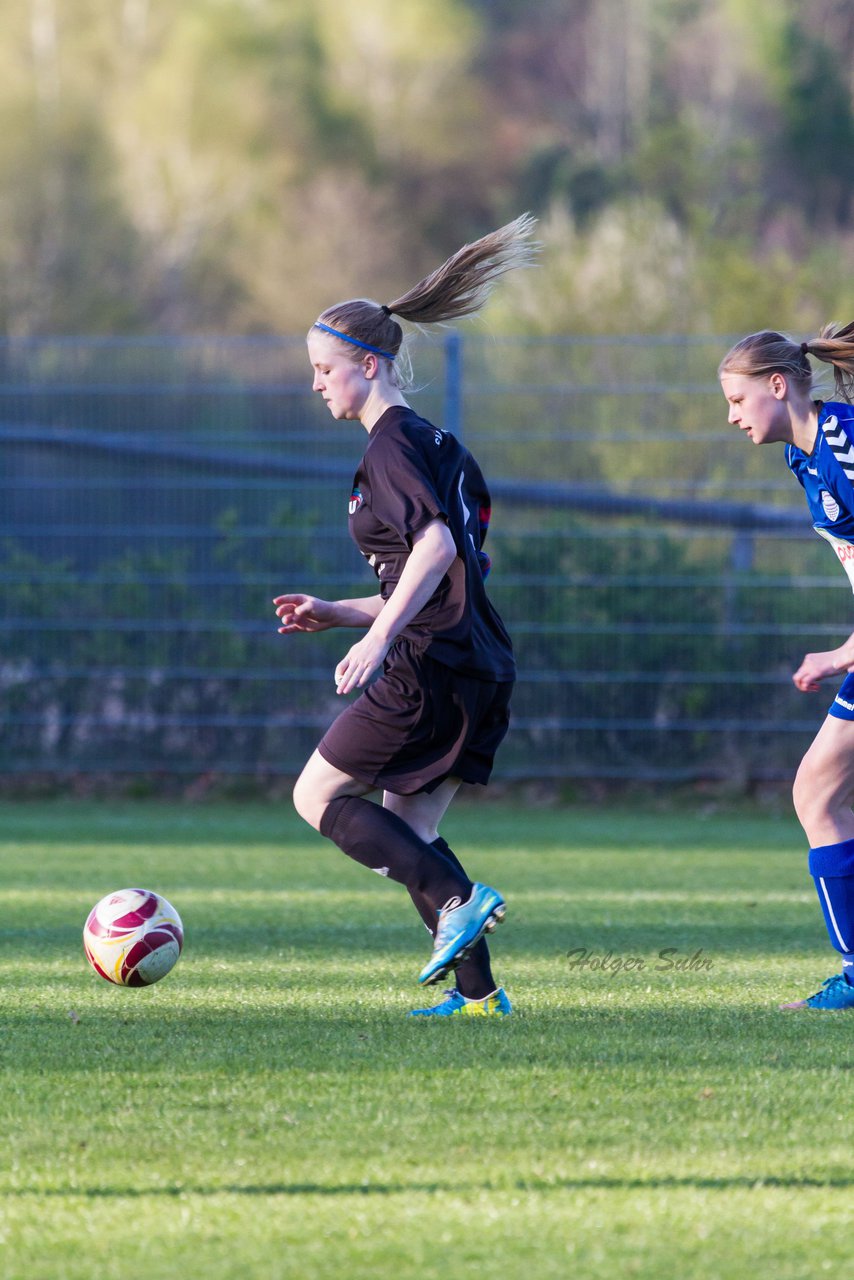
column 459, row 287
column 761, row 354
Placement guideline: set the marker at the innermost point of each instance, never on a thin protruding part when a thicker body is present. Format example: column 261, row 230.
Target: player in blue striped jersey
column 767, row 380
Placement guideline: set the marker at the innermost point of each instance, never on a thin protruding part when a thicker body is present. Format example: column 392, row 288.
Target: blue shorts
column 843, row 704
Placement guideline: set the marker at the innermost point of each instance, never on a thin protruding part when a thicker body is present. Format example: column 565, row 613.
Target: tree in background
column 230, row 166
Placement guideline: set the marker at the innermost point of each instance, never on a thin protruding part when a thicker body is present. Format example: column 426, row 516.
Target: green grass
column 268, row 1111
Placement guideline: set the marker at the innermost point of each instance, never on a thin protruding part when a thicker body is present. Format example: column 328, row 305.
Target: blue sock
column 832, row 869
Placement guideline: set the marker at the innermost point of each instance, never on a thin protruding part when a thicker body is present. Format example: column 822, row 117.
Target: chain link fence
column 657, row 572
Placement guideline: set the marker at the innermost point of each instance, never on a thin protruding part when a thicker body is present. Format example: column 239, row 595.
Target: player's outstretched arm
column 816, row 667
column 298, row 612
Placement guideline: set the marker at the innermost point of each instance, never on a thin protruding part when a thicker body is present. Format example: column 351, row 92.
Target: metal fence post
column 453, row 417
column 741, row 557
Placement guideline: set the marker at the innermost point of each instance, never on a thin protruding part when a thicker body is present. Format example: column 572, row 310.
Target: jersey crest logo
column 355, row 501
column 831, row 506
column 843, row 451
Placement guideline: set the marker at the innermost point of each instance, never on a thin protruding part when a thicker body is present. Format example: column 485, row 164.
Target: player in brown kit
column 435, row 664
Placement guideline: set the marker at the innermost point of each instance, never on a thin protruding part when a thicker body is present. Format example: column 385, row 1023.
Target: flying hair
column 461, row 286
column 458, row 288
column 761, row 354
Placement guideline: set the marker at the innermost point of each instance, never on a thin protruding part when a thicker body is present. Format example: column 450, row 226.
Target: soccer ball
column 133, row 937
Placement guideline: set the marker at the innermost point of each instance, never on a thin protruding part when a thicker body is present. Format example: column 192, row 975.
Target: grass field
column 268, row 1110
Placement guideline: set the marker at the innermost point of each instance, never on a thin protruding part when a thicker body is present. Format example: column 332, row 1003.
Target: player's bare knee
column 811, row 800
column 822, row 805
column 802, row 793
column 306, row 803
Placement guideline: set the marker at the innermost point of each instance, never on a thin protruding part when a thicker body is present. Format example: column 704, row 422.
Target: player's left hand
column 816, row 667
column 357, row 667
column 300, row 612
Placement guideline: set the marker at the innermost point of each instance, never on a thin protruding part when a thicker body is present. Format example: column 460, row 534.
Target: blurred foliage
column 638, row 649
column 235, row 165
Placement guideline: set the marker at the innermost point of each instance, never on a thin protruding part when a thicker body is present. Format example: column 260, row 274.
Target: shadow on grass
column 699, row 1043
column 623, row 943
column 740, row 1183
column 484, row 823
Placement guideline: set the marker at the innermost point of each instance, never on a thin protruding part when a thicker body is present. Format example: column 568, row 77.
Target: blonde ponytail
column 835, row 345
column 458, row 288
column 461, row 285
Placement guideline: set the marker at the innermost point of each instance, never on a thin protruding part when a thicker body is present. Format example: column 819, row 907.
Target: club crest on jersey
column 355, row 501
column 831, row 506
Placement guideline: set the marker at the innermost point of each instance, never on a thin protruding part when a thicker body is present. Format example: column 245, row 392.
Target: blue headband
column 345, row 337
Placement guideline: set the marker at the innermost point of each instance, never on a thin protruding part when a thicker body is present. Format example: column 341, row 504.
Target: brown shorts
column 418, row 724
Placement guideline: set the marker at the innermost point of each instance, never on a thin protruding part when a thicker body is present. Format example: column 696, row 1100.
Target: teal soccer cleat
column 456, row 1005
column 835, row 993
column 460, row 926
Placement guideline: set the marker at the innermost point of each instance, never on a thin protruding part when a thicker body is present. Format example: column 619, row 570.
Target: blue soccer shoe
column 456, row 1005
column 460, row 926
column 835, row 993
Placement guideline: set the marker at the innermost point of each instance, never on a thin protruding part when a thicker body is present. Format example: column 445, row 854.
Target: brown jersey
column 412, row 473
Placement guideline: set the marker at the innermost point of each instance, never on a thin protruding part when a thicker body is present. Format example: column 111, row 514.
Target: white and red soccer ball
column 133, row 937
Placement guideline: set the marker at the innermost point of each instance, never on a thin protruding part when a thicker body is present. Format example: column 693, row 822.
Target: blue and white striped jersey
column 827, row 477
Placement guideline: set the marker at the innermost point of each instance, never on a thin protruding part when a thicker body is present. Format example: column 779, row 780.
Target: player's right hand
column 816, row 667
column 298, row 612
